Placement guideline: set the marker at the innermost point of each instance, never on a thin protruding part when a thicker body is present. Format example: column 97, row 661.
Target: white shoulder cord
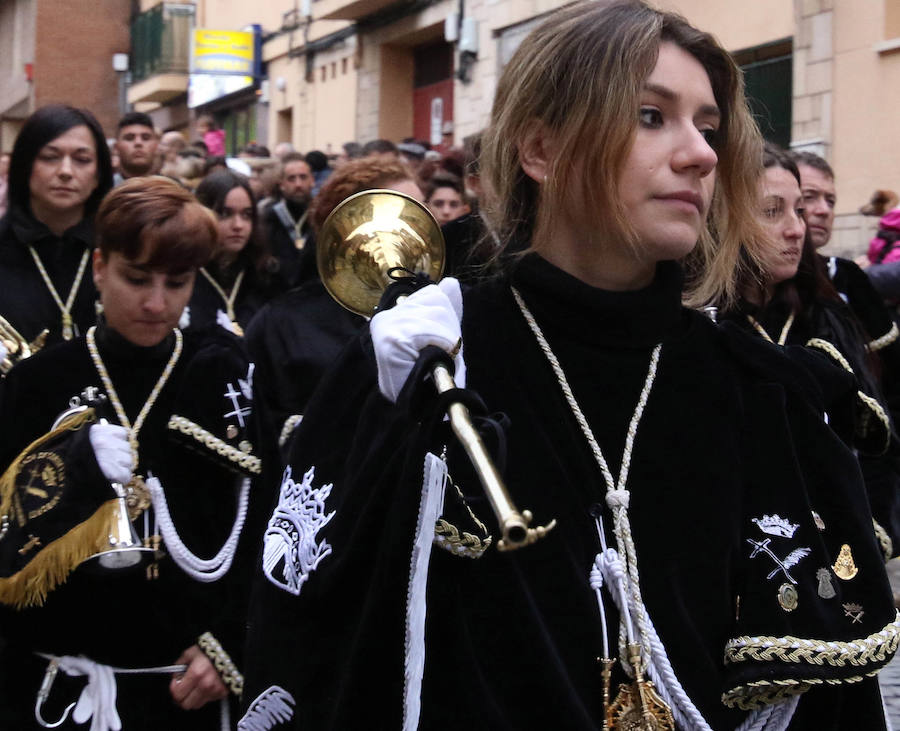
column 608, row 564
column 616, row 493
column 205, row 570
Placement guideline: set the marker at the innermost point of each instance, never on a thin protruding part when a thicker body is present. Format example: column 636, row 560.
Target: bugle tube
column 514, row 526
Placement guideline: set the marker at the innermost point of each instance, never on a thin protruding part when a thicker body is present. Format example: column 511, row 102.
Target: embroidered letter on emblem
column 290, row 550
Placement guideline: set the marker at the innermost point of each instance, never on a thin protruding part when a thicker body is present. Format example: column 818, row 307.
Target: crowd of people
column 227, row 501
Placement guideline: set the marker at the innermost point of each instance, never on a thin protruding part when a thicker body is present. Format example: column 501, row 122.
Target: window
column 768, row 78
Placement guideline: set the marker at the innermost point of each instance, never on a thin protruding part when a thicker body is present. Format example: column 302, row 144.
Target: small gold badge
column 245, row 447
column 787, row 597
column 231, row 431
column 845, row 567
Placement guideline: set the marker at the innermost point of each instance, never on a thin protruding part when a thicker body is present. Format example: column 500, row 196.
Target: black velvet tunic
column 732, row 432
column 124, row 619
column 25, row 300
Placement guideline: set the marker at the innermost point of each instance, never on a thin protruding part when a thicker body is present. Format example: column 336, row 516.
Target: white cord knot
column 617, row 498
column 596, row 576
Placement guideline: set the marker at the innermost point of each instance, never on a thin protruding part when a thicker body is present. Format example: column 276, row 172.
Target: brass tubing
column 513, row 525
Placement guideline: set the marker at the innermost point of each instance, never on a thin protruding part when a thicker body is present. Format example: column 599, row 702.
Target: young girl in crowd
column 238, row 281
column 695, row 521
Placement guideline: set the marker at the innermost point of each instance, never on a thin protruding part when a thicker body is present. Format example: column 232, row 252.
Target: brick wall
column 75, row 42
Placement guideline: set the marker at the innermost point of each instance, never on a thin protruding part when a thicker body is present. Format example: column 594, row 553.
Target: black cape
column 124, row 619
column 732, row 432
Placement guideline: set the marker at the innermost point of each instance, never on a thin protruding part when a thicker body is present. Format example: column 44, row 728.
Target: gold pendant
column 845, row 566
column 67, row 331
column 637, row 709
column 238, row 330
column 606, row 673
column 300, row 242
column 137, row 497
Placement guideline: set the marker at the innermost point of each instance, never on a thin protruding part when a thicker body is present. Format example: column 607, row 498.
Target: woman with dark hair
column 688, row 517
column 238, row 281
column 59, row 172
column 791, row 300
column 127, row 464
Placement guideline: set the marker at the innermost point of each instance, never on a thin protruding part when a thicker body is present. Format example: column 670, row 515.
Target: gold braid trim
column 872, row 404
column 884, row 540
column 227, row 670
column 766, row 692
column 53, row 563
column 448, row 537
column 877, row 647
column 246, row 462
column 289, row 425
column 889, row 337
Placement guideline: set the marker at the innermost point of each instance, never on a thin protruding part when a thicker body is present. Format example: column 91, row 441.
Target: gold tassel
column 52, row 565
column 8, row 480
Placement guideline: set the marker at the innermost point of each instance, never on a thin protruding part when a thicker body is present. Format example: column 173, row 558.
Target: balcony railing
column 161, row 40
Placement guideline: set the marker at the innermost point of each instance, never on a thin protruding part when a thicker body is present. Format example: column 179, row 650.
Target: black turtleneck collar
column 31, row 232
column 636, row 318
column 115, row 346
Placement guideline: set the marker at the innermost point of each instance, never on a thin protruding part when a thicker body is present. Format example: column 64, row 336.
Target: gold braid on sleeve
column 876, row 649
column 244, row 460
column 227, row 670
column 889, row 337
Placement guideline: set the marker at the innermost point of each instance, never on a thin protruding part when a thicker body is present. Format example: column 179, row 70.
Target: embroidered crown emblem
column 291, row 551
column 774, row 525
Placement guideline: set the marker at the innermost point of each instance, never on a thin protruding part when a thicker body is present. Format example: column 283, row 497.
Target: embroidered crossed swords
column 782, row 564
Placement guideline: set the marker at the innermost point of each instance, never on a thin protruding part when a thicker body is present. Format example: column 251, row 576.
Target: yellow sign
column 223, row 52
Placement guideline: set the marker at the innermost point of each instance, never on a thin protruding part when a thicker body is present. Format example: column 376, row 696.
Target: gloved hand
column 113, row 451
column 430, row 316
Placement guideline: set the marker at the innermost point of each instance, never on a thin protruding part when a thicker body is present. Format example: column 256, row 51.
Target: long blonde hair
column 580, row 74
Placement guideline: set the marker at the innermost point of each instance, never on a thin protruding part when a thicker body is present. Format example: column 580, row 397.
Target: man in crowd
column 136, row 143
column 285, row 220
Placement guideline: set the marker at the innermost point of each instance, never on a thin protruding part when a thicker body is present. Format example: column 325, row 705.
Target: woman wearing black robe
column 178, row 408
column 233, row 287
column 793, row 303
column 59, row 172
column 751, row 564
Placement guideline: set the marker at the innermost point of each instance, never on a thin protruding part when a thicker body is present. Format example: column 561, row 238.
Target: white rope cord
column 617, row 495
column 205, row 570
column 608, row 569
column 101, row 699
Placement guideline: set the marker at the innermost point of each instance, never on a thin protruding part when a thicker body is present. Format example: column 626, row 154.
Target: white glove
column 98, row 699
column 430, row 316
column 113, row 451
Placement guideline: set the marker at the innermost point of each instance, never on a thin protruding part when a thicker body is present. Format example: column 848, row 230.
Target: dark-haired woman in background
column 238, row 282
column 59, row 172
column 792, row 301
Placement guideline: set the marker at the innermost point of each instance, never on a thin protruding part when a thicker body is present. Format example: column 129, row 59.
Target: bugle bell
column 16, row 346
column 363, row 242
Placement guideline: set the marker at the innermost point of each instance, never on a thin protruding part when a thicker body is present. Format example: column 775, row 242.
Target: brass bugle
column 363, row 240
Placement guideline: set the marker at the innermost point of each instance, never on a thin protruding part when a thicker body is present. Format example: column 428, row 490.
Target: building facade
column 61, row 51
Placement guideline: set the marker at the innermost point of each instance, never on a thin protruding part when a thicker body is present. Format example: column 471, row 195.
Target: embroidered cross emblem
column 792, row 559
column 854, row 611
column 33, row 542
column 239, row 411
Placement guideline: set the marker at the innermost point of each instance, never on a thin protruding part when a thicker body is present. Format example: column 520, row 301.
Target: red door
column 433, row 94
